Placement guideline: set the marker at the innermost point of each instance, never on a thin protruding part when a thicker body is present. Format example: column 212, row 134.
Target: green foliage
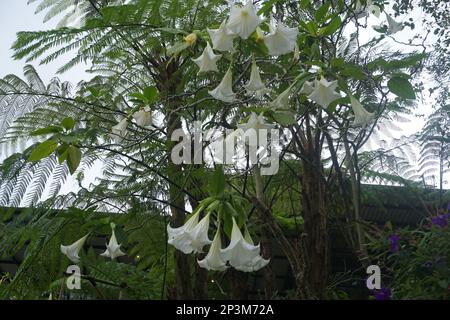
column 420, row 268
column 40, row 232
column 401, row 87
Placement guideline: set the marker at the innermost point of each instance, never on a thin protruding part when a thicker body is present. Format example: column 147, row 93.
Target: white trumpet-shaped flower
column 221, row 39
column 250, row 131
column 113, row 248
column 255, row 84
column 362, row 116
column 143, row 117
column 192, row 236
column 324, row 92
column 243, row 20
column 281, row 39
column 208, row 60
column 120, row 130
column 242, row 254
column 255, row 122
column 199, row 235
column 393, row 26
column 214, row 260
column 72, row 251
column 179, row 237
column 307, row 88
column 224, row 91
column 282, row 101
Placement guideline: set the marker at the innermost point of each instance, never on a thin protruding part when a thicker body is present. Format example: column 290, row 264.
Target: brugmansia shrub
column 161, row 66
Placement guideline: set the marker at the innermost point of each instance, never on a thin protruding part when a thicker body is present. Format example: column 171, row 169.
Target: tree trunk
column 315, row 227
column 293, row 254
column 174, row 173
column 238, row 284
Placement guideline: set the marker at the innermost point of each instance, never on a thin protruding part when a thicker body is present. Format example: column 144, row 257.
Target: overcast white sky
column 15, row 16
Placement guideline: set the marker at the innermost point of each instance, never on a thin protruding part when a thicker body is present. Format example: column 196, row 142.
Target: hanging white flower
column 362, row 116
column 393, row 26
column 72, row 251
column 143, row 117
column 307, row 88
column 241, row 254
column 255, row 85
column 208, row 60
column 282, row 101
column 224, row 91
column 257, row 262
column 113, row 248
column 199, row 235
column 281, row 39
column 120, row 130
column 213, row 260
column 192, row 236
column 221, row 39
column 255, row 122
column 324, row 92
column 243, row 20
column 179, row 237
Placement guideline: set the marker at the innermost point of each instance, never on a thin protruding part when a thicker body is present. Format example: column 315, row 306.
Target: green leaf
column 139, row 96
column 73, row 158
column 337, row 62
column 227, row 220
column 284, row 118
column 177, row 48
column 68, row 123
column 43, row 150
column 332, row 27
column 266, row 8
column 48, row 130
column 218, row 182
column 401, row 87
column 354, row 71
column 151, row 94
column 321, row 12
column 62, row 153
column 304, row 4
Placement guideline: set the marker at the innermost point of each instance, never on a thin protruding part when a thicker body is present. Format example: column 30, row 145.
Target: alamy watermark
column 230, row 147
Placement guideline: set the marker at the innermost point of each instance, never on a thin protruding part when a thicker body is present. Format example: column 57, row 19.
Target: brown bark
column 238, row 284
column 315, row 228
column 293, row 254
column 167, row 88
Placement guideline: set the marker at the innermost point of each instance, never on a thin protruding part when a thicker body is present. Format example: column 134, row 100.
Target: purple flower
column 394, row 242
column 440, row 220
column 383, row 294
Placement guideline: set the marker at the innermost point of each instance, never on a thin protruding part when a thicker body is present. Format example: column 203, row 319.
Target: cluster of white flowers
column 241, row 253
column 242, row 22
column 112, row 248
